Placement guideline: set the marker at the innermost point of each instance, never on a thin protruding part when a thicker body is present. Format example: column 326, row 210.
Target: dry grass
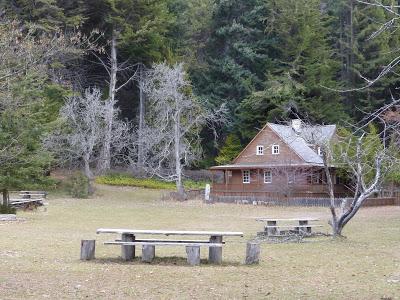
column 39, row 256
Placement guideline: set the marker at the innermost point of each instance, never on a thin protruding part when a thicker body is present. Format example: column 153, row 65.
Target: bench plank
column 165, row 240
column 169, row 232
column 291, row 226
column 293, row 219
column 171, row 243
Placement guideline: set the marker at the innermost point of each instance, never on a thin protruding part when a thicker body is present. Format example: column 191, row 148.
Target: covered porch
column 278, row 181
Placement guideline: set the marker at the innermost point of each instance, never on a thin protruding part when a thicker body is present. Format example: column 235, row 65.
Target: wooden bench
column 29, row 199
column 302, row 227
column 128, row 242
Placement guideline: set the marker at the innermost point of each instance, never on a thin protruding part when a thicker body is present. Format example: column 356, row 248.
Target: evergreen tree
column 237, row 53
column 304, row 65
column 230, row 150
column 364, row 54
column 48, row 15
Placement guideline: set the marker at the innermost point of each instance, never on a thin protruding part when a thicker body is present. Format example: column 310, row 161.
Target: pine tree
column 304, row 65
column 364, row 54
column 237, row 53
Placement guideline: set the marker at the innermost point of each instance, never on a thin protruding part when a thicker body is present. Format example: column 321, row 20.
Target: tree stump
column 215, row 253
column 252, row 253
column 193, row 255
column 148, row 253
column 128, row 251
column 88, row 249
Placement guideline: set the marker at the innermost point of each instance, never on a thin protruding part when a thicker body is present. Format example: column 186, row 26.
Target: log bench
column 128, row 242
column 29, row 199
column 302, row 227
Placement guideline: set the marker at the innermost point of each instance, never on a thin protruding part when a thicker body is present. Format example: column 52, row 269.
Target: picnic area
column 39, row 253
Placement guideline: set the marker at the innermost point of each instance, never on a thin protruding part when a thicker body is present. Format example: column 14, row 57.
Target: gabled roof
column 302, row 140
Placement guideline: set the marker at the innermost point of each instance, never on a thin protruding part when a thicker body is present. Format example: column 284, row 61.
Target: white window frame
column 319, row 151
column 316, row 178
column 275, row 147
column 260, row 147
column 269, row 176
column 246, row 174
column 291, row 175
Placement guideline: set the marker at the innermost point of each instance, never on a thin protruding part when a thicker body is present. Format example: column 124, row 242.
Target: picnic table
column 271, row 228
column 129, row 239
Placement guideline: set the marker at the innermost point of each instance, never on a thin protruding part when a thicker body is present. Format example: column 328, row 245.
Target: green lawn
column 39, row 257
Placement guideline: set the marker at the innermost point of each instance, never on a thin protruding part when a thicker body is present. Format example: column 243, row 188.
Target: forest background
column 264, row 59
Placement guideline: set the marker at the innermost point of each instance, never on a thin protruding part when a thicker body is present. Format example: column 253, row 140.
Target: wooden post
column 127, row 251
column 207, row 193
column 215, row 253
column 88, row 249
column 148, row 253
column 252, row 253
column 271, row 231
column 193, row 255
column 304, row 229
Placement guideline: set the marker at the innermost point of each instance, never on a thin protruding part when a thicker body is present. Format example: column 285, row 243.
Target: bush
column 7, row 209
column 78, row 186
column 151, row 183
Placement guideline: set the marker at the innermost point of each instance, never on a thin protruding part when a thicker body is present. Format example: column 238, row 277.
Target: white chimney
column 296, row 125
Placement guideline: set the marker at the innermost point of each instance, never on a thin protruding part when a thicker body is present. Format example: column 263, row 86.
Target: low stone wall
column 309, row 202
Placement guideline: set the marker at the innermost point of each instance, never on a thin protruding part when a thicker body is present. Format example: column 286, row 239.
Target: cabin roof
column 302, row 140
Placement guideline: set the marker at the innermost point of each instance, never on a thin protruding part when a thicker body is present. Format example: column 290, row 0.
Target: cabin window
column 291, row 177
column 267, row 177
column 246, row 176
column 260, row 150
column 275, row 149
column 316, row 178
column 319, row 151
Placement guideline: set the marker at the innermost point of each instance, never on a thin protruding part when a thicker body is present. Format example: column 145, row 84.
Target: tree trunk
column 105, row 157
column 86, row 166
column 141, row 120
column 178, row 167
column 5, row 197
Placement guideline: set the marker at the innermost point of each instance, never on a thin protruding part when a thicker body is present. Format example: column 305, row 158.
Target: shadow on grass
column 159, row 261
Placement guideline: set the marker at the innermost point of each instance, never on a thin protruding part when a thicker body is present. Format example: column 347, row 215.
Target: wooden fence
column 320, row 202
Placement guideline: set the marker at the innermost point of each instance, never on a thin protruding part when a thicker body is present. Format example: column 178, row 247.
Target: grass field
column 39, row 257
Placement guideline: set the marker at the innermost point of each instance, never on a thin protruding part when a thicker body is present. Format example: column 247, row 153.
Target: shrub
column 78, row 186
column 7, row 209
column 151, row 183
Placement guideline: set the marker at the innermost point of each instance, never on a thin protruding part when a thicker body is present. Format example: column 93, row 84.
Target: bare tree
column 112, row 67
column 366, row 158
column 174, row 120
column 84, row 121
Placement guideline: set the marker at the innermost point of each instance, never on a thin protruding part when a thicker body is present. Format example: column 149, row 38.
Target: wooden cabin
column 280, row 161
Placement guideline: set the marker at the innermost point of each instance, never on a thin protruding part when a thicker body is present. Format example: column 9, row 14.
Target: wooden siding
column 267, row 138
column 232, row 184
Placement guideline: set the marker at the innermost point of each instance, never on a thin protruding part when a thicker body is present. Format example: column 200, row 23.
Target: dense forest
column 262, row 60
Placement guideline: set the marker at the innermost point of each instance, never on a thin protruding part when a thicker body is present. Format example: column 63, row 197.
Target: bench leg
column 252, row 253
column 215, row 253
column 88, row 248
column 271, row 231
column 193, row 255
column 148, row 253
column 127, row 252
